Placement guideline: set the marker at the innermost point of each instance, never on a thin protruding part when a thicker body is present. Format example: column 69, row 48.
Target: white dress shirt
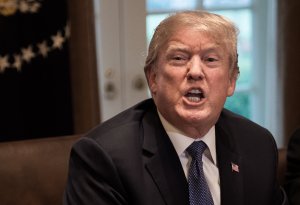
column 181, row 142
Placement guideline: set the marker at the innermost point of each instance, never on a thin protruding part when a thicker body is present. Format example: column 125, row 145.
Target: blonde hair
column 219, row 27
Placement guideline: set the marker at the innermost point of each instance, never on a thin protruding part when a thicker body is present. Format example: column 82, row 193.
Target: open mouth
column 194, row 95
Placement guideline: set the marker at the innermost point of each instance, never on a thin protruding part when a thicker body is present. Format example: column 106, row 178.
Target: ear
column 232, row 82
column 152, row 81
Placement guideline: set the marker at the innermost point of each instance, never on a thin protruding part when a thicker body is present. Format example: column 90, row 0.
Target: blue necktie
column 198, row 189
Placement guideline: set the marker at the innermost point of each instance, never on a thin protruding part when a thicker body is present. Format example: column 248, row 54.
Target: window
column 256, row 24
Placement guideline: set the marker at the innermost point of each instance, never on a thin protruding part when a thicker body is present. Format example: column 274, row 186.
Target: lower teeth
column 194, row 99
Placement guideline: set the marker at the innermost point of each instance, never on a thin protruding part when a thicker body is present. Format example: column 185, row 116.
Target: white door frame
column 121, row 49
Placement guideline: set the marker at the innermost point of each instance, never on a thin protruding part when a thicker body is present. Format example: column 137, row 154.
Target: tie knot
column 196, row 149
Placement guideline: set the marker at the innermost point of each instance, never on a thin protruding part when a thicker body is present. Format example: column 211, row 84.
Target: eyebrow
column 178, row 46
column 216, row 48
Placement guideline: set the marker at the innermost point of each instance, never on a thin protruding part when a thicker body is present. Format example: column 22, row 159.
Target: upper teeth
column 195, row 91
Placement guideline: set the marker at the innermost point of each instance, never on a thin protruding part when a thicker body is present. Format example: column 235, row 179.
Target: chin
column 198, row 116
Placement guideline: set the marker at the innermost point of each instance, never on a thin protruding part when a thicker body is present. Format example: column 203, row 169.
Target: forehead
column 190, row 38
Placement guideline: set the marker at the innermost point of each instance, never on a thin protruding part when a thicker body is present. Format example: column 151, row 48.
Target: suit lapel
column 230, row 168
column 162, row 162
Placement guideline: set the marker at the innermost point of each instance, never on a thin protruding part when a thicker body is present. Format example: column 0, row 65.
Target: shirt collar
column 181, row 141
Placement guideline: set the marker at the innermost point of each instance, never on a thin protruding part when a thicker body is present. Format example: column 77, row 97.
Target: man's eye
column 211, row 59
column 178, row 58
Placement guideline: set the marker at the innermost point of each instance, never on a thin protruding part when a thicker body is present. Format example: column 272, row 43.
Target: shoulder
column 245, row 133
column 124, row 127
column 232, row 122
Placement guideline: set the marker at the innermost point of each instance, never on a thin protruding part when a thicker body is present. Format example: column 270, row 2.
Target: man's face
column 191, row 80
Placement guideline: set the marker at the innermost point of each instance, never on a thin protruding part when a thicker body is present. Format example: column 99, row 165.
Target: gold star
column 8, row 8
column 35, row 7
column 27, row 54
column 57, row 40
column 18, row 62
column 24, row 7
column 43, row 48
column 3, row 63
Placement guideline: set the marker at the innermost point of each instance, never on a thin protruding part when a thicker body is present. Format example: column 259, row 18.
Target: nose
column 195, row 70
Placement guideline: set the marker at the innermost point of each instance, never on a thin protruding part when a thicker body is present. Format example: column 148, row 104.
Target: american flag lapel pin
column 234, row 167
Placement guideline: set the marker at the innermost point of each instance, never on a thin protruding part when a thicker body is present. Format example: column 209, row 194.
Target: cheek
column 167, row 75
column 167, row 78
column 221, row 84
column 159, row 83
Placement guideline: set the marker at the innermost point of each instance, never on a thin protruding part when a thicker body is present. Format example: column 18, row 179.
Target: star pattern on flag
column 29, row 53
column 10, row 7
column 58, row 40
column 18, row 62
column 43, row 48
column 3, row 63
column 24, row 7
column 34, row 8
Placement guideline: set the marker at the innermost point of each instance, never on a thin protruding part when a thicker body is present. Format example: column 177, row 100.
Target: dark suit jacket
column 131, row 160
column 293, row 169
